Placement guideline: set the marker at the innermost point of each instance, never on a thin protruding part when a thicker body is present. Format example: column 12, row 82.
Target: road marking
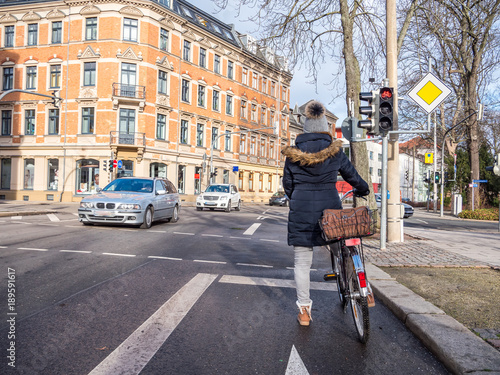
column 252, row 229
column 281, row 283
column 137, row 350
column 212, row 235
column 209, row 261
column 423, row 221
column 292, row 268
column 3, row 247
column 254, row 265
column 76, row 251
column 157, row 231
column 295, row 364
column 263, row 239
column 119, row 255
column 31, row 248
column 53, row 217
column 16, row 217
column 187, row 234
column 160, row 257
column 48, row 225
column 240, row 238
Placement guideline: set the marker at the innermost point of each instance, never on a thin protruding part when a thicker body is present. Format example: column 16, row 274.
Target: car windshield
column 217, row 189
column 279, row 194
column 130, row 185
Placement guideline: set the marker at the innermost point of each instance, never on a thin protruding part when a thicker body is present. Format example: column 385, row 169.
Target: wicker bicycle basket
column 347, row 223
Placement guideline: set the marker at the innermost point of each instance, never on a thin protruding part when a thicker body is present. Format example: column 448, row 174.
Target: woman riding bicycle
column 309, row 178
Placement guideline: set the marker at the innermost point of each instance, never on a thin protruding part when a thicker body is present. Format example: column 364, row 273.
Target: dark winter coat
column 309, row 178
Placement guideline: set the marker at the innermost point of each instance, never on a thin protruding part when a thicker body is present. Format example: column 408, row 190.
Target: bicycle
column 349, row 270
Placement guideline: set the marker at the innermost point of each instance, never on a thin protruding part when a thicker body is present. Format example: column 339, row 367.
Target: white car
column 220, row 196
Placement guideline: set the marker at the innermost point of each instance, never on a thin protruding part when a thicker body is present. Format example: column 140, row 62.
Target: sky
column 300, row 90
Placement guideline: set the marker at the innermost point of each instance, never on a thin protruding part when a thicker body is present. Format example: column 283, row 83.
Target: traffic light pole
column 383, row 203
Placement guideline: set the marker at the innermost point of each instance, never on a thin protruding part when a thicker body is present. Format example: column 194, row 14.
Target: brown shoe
column 304, row 316
column 370, row 298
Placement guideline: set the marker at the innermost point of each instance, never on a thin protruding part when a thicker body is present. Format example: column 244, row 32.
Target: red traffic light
column 386, row 93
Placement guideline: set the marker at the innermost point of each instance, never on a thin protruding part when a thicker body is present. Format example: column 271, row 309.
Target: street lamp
column 223, row 135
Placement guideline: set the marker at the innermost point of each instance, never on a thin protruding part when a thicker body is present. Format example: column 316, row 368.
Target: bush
column 480, row 214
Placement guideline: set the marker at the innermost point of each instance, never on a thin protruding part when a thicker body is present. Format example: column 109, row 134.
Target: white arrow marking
column 252, row 229
column 295, row 364
column 423, row 221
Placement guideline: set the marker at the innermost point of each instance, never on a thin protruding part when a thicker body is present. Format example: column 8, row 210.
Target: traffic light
column 437, row 177
column 406, row 175
column 105, row 165
column 371, row 124
column 110, row 163
column 427, row 177
column 496, row 167
column 55, row 99
column 446, row 177
column 386, row 109
column 213, row 174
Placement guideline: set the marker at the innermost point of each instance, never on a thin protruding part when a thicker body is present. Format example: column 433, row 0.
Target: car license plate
column 210, row 204
column 104, row 213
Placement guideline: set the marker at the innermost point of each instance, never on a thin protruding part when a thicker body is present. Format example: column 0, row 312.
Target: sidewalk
column 456, row 346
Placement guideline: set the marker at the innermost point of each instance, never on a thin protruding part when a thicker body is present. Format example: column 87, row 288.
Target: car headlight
column 86, row 204
column 223, row 198
column 129, row 206
column 199, row 198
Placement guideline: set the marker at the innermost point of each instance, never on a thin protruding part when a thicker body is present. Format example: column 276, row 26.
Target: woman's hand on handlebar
column 360, row 194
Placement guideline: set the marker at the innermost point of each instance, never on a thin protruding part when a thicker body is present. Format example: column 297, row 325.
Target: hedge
column 480, row 214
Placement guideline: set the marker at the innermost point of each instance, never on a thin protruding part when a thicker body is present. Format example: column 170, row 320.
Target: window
column 53, row 169
column 29, row 173
column 254, row 113
column 244, row 76
column 55, row 76
column 215, row 100
column 56, row 32
column 163, row 39
column 230, row 70
column 203, row 57
column 229, row 105
column 29, row 122
column 272, row 119
column 255, row 80
column 86, row 170
column 225, row 176
column 184, row 131
column 271, row 150
column 371, row 171
column 227, row 143
column 243, row 142
column 371, row 155
column 32, row 34
column 130, row 29
column 264, row 85
column 186, row 51
column 162, row 82
column 217, row 64
column 215, row 137
column 181, row 179
column 243, row 109
column 6, row 122
column 197, row 180
column 89, row 69
column 199, row 135
column 91, row 28
column 201, row 96
column 31, row 77
column 273, row 88
column 379, row 172
column 379, row 157
column 161, row 126
column 88, row 120
column 252, row 146
column 5, row 173
column 284, row 94
column 261, row 181
column 263, row 148
column 283, row 122
column 128, row 79
column 9, row 36
column 250, row 181
column 185, row 91
column 270, row 183
column 158, row 170
column 263, row 116
column 8, row 79
column 127, row 123
column 240, row 181
column 53, row 121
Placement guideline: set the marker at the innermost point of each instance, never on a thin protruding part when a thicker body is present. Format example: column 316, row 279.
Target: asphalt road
column 207, row 295
column 423, row 219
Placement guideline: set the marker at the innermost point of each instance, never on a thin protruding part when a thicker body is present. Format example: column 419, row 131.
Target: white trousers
column 302, row 270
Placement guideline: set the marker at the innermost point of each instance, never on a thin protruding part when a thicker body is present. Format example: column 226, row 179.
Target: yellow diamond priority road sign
column 429, row 92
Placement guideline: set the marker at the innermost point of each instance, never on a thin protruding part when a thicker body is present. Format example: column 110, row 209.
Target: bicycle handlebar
column 352, row 191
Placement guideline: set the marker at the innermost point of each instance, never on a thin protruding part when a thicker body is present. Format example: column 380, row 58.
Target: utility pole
column 393, row 182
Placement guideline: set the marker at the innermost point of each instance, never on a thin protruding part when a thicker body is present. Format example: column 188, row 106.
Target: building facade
column 160, row 86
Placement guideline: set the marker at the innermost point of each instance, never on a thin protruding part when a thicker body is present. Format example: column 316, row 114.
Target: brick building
column 158, row 85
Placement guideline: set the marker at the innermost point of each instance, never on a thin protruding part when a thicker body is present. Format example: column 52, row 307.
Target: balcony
column 121, row 141
column 128, row 94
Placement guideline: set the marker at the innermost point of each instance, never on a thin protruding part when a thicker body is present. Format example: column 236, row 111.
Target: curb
column 460, row 350
column 27, row 213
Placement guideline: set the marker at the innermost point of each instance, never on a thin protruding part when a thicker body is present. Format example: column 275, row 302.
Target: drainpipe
column 66, row 108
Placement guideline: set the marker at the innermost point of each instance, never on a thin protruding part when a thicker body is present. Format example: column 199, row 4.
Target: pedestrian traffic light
column 386, row 109
column 437, row 177
column 105, row 165
column 371, row 111
column 110, row 163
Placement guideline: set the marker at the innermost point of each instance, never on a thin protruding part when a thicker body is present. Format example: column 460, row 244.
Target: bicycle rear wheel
column 359, row 304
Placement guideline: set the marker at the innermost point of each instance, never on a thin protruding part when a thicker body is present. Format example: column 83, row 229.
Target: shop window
column 197, row 180
column 53, row 174
column 127, row 169
column 29, row 173
column 225, row 176
column 86, row 170
column 5, row 173
column 158, row 170
column 181, row 180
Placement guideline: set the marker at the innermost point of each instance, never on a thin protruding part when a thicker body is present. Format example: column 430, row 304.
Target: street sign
column 115, row 163
column 235, row 168
column 480, row 181
column 120, row 163
column 429, row 92
column 473, row 185
column 429, row 158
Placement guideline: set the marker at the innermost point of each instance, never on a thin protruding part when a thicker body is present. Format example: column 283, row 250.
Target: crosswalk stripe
column 282, row 283
column 137, row 350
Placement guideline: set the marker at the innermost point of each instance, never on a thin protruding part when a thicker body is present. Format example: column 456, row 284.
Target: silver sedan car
column 133, row 201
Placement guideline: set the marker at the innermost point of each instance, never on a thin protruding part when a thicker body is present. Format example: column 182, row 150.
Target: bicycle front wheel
column 359, row 304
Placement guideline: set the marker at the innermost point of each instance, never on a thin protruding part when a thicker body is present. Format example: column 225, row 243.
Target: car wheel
column 238, row 207
column 175, row 216
column 199, row 208
column 228, row 208
column 148, row 218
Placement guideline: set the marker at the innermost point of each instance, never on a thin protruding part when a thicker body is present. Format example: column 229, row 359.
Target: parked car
column 220, row 196
column 408, row 209
column 279, row 198
column 133, row 201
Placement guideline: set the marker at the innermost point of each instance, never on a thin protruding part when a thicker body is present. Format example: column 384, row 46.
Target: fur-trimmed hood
column 306, row 158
